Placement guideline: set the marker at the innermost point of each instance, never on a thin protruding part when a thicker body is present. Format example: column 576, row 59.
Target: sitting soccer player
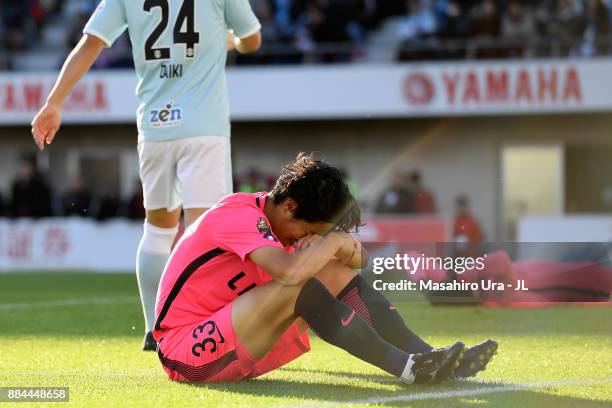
column 253, row 272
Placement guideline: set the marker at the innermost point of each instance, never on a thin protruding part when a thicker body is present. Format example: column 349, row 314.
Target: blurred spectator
column 417, row 30
column 31, row 195
column 278, row 29
column 3, row 206
column 271, row 31
column 420, row 21
column 564, row 25
column 108, row 206
column 51, row 7
column 543, row 14
column 16, row 26
column 135, row 205
column 485, row 29
column 328, row 22
column 466, row 227
column 596, row 28
column 518, row 28
column 253, row 183
column 424, row 202
column 285, row 13
column 396, row 199
column 453, row 19
column 76, row 200
column 486, row 21
column 75, row 28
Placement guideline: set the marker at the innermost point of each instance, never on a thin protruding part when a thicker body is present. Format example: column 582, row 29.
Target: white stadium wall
column 340, row 92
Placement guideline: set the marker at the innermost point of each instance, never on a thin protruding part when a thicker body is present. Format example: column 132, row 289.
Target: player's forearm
column 249, row 44
column 76, row 66
column 241, row 47
column 308, row 262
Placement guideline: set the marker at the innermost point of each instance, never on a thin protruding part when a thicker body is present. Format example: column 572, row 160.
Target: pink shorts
column 211, row 351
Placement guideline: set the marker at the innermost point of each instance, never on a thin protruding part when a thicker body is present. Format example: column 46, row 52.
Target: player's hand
column 46, row 124
column 348, row 248
column 306, row 241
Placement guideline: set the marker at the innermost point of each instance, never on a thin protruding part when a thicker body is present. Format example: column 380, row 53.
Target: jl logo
column 263, row 227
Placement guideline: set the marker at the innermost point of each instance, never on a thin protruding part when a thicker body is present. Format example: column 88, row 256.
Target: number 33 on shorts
column 207, row 329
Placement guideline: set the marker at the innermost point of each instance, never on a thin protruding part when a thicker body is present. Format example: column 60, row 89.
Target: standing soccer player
column 179, row 49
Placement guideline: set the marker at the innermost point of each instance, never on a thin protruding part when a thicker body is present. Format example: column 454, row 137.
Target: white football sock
column 153, row 253
column 407, row 375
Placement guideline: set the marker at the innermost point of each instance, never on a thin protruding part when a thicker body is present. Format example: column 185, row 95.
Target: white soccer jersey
column 179, row 49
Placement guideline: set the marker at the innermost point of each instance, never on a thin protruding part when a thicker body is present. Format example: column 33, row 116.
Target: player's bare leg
column 192, row 214
column 163, row 218
column 160, row 230
column 272, row 306
column 263, row 314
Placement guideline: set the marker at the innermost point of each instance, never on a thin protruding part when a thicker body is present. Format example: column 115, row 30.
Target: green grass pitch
column 84, row 331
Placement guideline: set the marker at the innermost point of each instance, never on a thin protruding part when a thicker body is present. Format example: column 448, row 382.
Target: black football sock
column 339, row 325
column 376, row 310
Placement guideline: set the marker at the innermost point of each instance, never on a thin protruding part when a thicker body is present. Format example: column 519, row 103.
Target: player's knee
column 315, row 302
column 157, row 240
column 335, row 276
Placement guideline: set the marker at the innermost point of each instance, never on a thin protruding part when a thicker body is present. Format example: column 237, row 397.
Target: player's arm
column 48, row 120
column 355, row 258
column 244, row 26
column 303, row 264
column 245, row 45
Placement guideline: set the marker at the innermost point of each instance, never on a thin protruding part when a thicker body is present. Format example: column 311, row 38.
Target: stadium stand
column 37, row 34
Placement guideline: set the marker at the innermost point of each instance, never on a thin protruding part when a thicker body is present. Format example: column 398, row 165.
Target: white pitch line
column 86, row 373
column 420, row 396
column 66, row 302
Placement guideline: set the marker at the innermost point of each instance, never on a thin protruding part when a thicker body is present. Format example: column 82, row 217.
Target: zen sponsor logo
column 169, row 115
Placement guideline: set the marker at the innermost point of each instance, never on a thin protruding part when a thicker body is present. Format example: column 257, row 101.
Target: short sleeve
column 243, row 230
column 239, row 16
column 108, row 22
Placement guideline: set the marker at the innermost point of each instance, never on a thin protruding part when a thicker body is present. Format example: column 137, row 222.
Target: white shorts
column 193, row 172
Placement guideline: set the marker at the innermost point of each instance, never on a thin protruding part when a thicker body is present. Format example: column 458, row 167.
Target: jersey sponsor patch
column 169, row 115
column 264, row 228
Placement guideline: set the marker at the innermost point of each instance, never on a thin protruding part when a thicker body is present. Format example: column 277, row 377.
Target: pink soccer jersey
column 209, row 267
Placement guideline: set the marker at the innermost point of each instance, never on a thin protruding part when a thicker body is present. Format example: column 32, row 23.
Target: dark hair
column 319, row 191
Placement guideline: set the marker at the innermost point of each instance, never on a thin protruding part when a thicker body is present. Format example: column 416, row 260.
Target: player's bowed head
column 311, row 208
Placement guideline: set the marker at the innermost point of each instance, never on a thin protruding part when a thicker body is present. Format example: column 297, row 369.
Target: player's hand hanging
column 45, row 125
